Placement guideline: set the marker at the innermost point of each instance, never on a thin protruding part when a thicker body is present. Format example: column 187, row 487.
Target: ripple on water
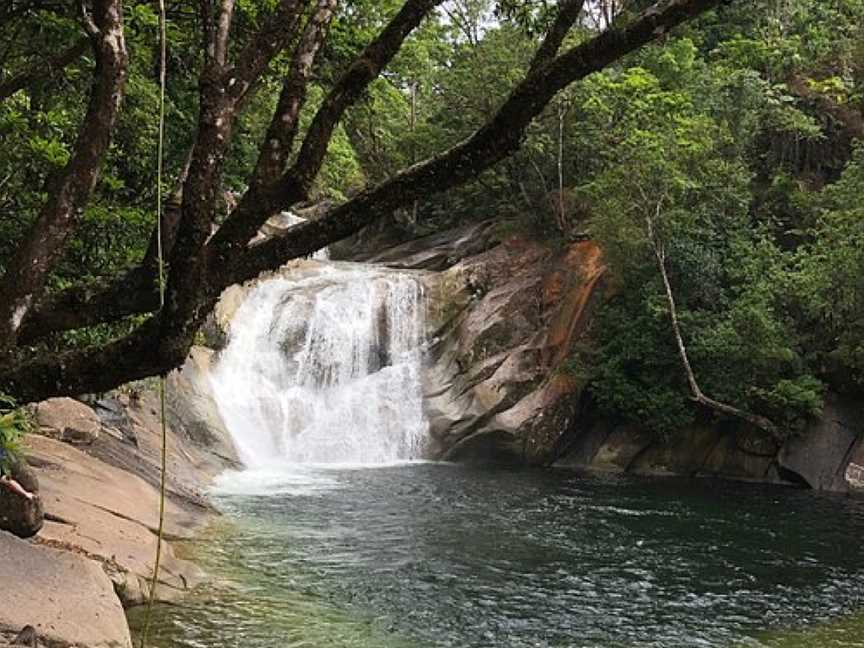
column 444, row 556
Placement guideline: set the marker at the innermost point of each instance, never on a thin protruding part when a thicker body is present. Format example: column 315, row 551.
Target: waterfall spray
column 325, row 368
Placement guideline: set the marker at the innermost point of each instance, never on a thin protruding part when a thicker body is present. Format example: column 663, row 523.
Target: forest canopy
column 737, row 126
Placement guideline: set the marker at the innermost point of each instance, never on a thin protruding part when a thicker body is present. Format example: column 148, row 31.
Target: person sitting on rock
column 10, row 484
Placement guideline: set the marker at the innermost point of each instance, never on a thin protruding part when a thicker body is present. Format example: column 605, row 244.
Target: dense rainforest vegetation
column 730, row 149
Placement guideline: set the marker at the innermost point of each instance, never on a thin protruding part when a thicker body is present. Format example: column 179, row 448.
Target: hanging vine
column 163, row 46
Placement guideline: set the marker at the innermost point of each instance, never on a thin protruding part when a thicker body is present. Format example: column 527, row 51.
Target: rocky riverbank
column 97, row 466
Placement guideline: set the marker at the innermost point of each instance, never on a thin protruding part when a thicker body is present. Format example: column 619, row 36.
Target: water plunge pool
column 431, row 555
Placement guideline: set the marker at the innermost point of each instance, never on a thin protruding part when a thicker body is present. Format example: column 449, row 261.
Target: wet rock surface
column 505, row 314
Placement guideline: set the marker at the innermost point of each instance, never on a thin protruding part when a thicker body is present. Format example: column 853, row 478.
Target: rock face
column 67, row 598
column 68, row 420
column 21, row 513
column 95, row 472
column 505, row 314
column 111, row 516
column 192, row 409
column 823, row 457
column 701, row 450
column 96, row 546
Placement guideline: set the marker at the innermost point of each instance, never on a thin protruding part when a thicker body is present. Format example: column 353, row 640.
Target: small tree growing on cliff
column 670, row 206
column 205, row 255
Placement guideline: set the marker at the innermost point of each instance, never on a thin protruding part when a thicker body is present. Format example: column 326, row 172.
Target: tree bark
column 224, row 89
column 25, row 276
column 286, row 120
column 568, row 14
column 134, row 292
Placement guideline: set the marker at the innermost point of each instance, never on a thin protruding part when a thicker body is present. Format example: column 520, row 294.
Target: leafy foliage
column 720, row 133
column 14, row 423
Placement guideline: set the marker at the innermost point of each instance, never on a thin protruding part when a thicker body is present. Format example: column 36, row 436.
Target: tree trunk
column 695, row 391
column 25, row 276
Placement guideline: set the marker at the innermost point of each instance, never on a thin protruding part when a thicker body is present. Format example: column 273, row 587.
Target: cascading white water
column 325, row 368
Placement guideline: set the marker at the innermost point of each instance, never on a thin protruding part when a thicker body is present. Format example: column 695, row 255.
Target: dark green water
column 446, row 556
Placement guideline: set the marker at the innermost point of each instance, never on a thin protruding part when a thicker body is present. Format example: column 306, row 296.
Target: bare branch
column 295, row 184
column 44, row 69
column 134, row 292
column 568, row 14
column 348, row 89
column 90, row 370
column 222, row 92
column 698, row 395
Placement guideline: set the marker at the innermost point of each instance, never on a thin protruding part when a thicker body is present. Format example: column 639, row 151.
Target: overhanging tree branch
column 162, row 342
column 224, row 88
column 134, row 292
column 568, row 13
column 260, row 203
column 497, row 139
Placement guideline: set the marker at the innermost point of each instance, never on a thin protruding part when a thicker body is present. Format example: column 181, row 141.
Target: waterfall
column 324, row 367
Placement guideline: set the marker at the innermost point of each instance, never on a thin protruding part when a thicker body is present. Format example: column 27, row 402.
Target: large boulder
column 67, row 420
column 821, row 457
column 65, row 597
column 503, row 324
column 21, row 511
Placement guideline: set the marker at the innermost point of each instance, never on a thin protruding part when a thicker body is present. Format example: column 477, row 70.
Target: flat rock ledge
column 94, row 554
column 68, row 599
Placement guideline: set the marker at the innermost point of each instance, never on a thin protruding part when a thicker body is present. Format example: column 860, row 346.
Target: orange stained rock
column 570, row 288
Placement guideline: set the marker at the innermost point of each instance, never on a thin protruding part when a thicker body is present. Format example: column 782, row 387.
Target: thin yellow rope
column 163, row 46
